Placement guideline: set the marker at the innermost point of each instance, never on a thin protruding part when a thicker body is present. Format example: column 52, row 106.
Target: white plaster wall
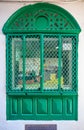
column 77, row 10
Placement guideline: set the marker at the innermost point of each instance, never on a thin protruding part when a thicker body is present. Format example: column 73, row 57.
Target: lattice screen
column 46, row 62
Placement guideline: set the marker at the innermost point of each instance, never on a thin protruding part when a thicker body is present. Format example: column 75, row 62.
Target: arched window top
column 41, row 17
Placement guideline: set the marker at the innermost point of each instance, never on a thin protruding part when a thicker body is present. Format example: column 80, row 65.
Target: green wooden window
column 41, row 63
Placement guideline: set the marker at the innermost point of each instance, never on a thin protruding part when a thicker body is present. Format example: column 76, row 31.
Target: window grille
column 42, row 62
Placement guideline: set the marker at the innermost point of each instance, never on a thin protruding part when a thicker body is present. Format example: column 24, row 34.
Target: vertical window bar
column 77, row 62
column 7, row 62
column 59, row 62
column 14, row 85
column 73, row 69
column 24, row 48
column 13, row 63
column 42, row 62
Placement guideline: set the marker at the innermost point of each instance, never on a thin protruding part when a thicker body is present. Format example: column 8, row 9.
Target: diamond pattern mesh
column 32, row 62
column 67, row 62
column 17, row 64
column 74, row 63
column 50, row 62
column 58, row 69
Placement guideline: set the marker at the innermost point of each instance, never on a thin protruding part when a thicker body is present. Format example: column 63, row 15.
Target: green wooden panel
column 14, row 106
column 27, row 106
column 57, row 106
column 69, row 106
column 42, row 106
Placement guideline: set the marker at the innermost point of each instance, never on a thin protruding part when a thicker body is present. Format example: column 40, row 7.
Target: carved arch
column 41, row 17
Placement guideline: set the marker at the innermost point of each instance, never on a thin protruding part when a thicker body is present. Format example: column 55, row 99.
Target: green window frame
column 42, row 64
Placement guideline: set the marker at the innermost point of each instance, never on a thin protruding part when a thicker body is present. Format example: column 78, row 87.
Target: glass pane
column 50, row 62
column 32, row 63
column 67, row 62
column 17, row 67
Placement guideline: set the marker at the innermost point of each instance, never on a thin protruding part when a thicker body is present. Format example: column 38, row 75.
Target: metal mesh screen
column 51, row 62
column 42, row 63
column 67, row 62
column 17, row 65
column 32, row 62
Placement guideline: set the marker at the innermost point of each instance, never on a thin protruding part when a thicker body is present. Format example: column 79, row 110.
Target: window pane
column 32, row 63
column 67, row 62
column 50, row 62
column 17, row 66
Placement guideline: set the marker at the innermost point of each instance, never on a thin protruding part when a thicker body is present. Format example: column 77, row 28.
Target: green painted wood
column 27, row 106
column 42, row 62
column 69, row 106
column 30, row 18
column 24, row 48
column 57, row 106
column 14, row 106
column 42, row 106
column 59, row 63
column 33, row 108
column 7, row 88
column 75, row 69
